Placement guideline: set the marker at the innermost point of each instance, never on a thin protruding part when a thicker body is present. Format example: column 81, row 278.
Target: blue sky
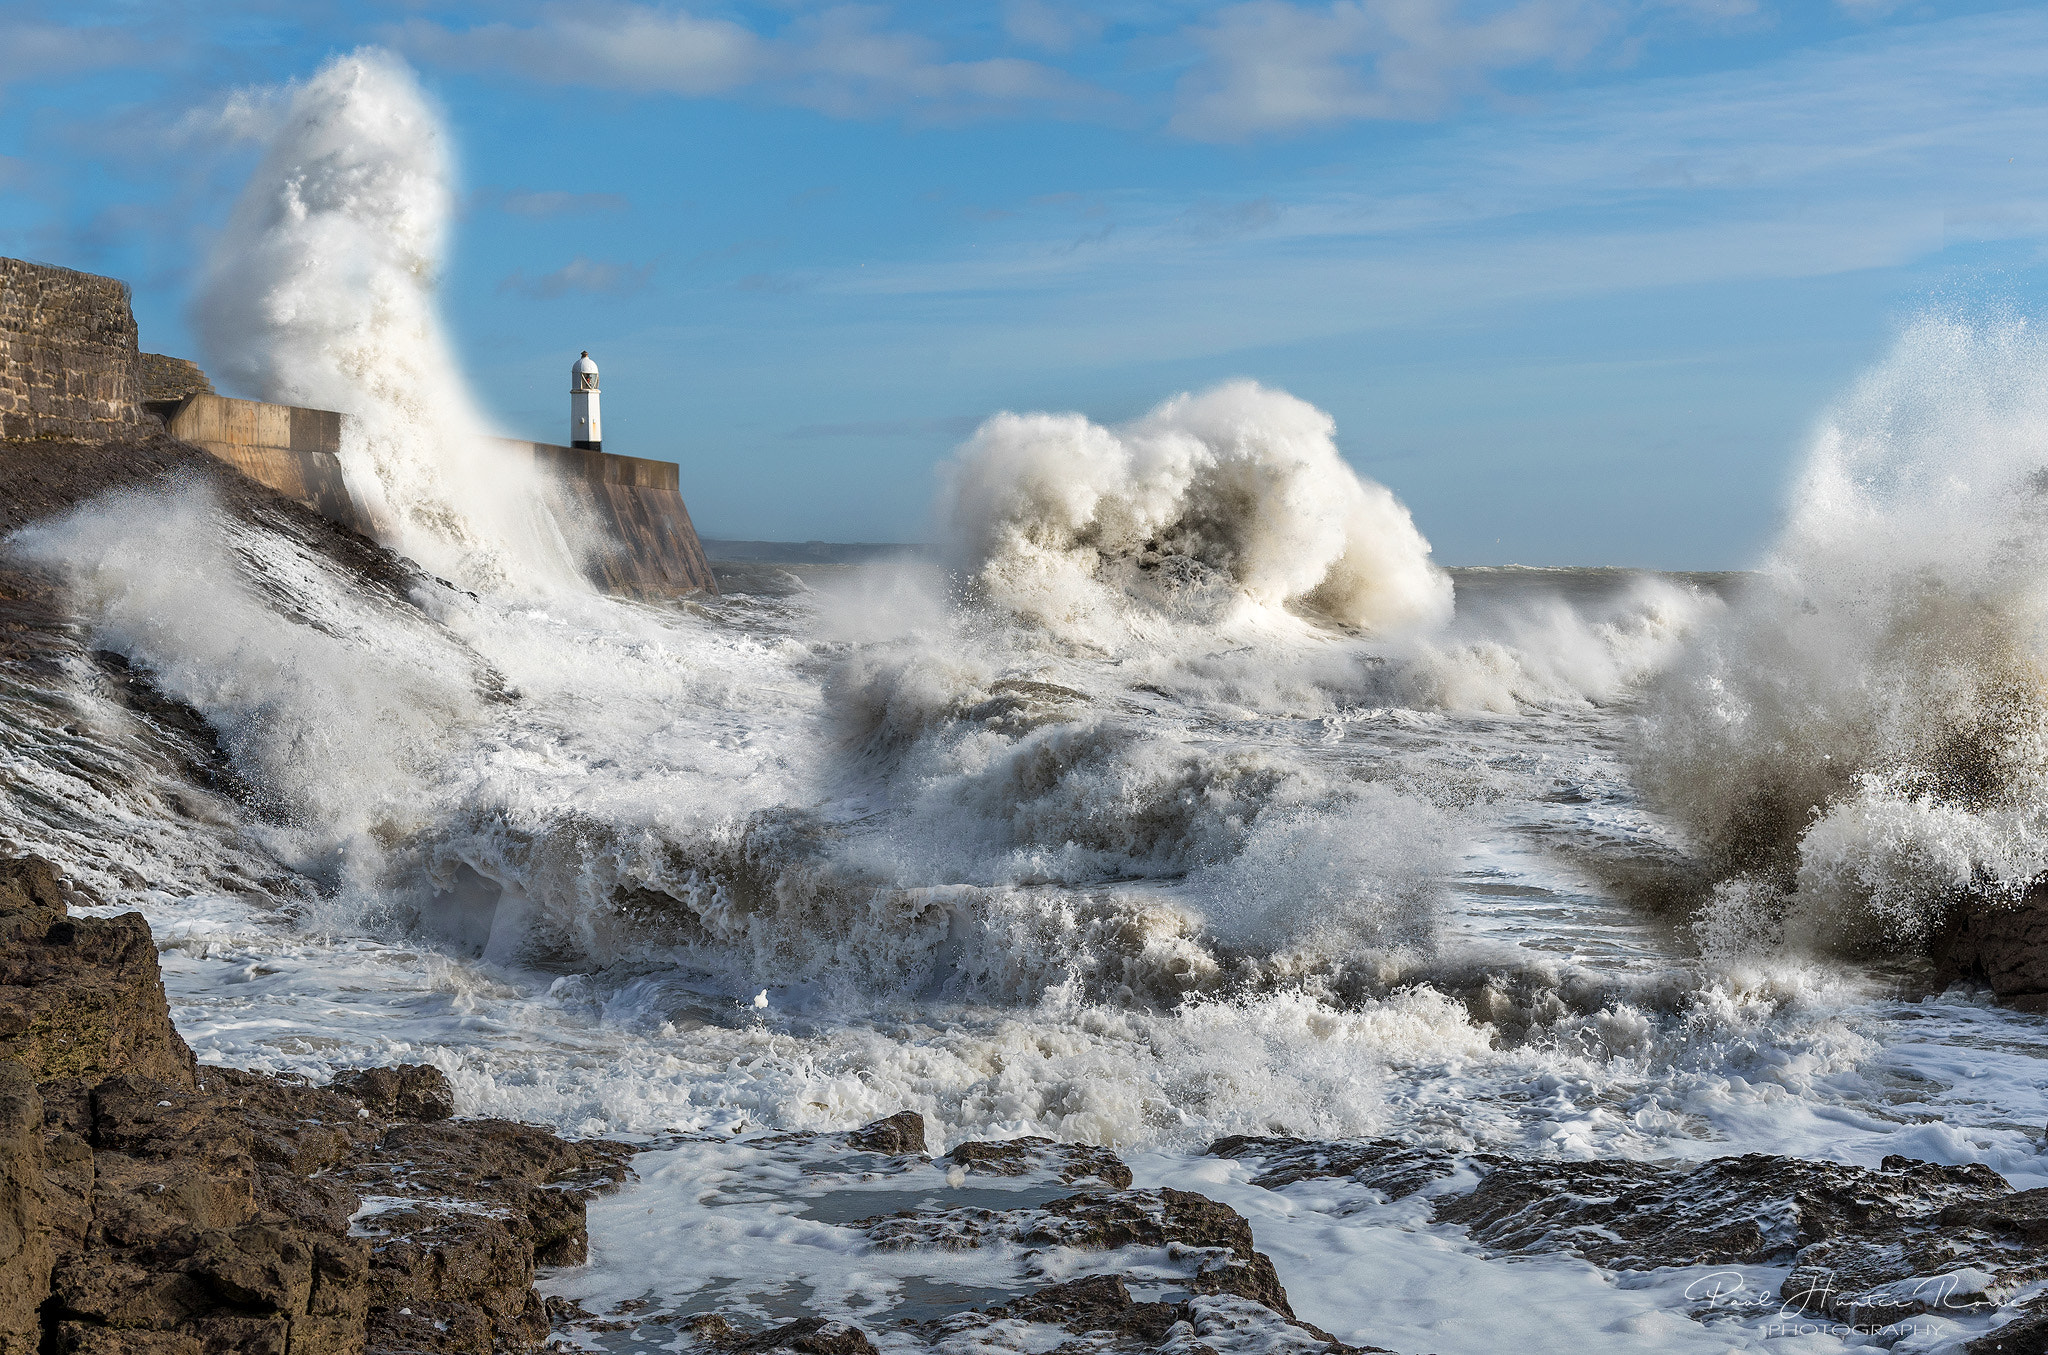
column 1576, row 277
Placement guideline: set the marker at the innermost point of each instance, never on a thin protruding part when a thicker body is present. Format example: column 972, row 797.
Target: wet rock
column 805, row 1336
column 899, row 1134
column 1100, row 1304
column 148, row 1206
column 408, row 1091
column 1211, row 1239
column 2004, row 948
column 1865, row 1246
column 1106, row 1320
column 1070, row 1162
column 810, row 1336
column 1386, row 1165
column 80, row 997
column 2025, row 1335
column 24, row 1213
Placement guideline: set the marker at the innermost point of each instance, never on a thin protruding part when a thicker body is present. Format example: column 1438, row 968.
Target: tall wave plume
column 321, row 292
column 1227, row 506
column 1861, row 743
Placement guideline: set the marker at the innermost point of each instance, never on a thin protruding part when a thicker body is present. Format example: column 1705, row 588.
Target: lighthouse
column 586, row 433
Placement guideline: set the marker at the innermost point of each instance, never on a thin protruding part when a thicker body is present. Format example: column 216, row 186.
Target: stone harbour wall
column 296, row 452
column 68, row 355
column 71, row 369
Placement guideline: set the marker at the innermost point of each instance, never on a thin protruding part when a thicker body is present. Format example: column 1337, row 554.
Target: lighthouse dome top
column 583, row 375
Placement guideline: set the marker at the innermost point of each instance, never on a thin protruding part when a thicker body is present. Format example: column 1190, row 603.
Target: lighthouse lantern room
column 585, row 431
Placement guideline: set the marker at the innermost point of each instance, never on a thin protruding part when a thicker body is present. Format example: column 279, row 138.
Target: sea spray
column 1236, row 498
column 1865, row 733
column 322, row 292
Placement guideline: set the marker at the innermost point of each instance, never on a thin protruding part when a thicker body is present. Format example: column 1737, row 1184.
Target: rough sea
column 1177, row 794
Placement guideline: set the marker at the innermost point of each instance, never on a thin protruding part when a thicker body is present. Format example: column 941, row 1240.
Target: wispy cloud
column 1274, row 66
column 542, row 203
column 840, row 60
column 629, row 47
column 1869, row 153
column 581, row 274
column 1049, row 27
column 34, row 51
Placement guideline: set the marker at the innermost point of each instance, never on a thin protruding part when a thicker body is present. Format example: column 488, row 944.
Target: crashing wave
column 1865, row 734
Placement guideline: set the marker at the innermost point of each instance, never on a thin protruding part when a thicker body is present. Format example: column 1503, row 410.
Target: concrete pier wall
column 629, row 507
column 297, row 452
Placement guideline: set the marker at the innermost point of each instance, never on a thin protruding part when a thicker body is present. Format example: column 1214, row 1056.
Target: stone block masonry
column 68, row 355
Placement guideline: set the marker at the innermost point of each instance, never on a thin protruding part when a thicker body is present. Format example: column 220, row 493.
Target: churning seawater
column 1182, row 795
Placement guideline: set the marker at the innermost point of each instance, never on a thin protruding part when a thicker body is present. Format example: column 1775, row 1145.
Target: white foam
column 1210, row 509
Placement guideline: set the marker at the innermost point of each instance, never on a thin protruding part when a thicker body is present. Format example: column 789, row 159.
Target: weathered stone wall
column 165, row 378
column 71, row 369
column 68, row 355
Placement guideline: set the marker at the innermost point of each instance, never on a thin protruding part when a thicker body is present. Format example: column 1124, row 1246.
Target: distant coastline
column 724, row 551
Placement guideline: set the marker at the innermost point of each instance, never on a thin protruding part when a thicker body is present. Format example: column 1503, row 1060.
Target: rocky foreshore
column 150, row 1206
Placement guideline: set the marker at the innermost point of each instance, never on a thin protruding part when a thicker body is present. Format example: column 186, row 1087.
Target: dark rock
column 1070, row 1162
column 1100, row 1309
column 148, row 1206
column 2002, row 947
column 810, row 1336
column 805, row 1336
column 1211, row 1238
column 1386, row 1165
column 409, row 1091
column 2025, row 1335
column 1100, row 1303
column 24, row 1212
column 1865, row 1246
column 901, row 1133
column 80, row 997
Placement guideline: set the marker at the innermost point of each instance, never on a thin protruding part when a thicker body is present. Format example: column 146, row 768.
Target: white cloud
column 1866, row 154
column 841, row 60
column 30, row 52
column 1274, row 66
column 1051, row 28
column 581, row 274
column 629, row 47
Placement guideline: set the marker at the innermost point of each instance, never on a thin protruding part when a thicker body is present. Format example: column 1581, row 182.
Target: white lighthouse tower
column 586, row 432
